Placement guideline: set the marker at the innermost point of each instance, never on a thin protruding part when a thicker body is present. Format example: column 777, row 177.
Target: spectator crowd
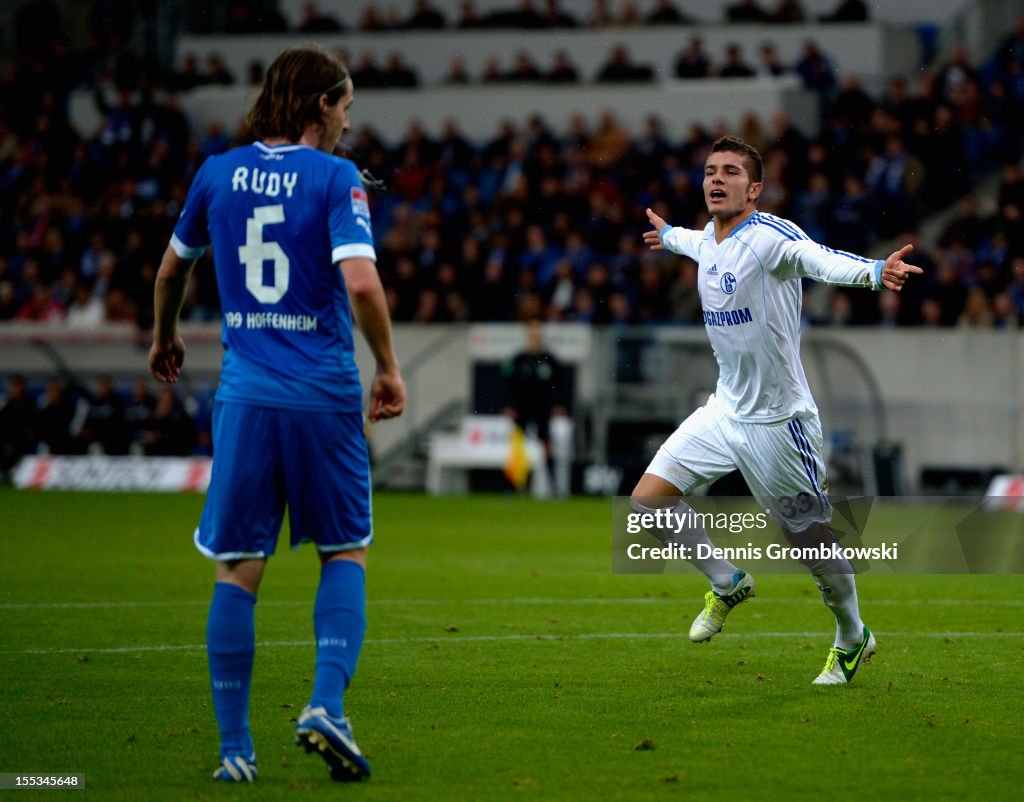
column 248, row 17
column 533, row 222
column 530, row 223
column 64, row 417
column 372, row 70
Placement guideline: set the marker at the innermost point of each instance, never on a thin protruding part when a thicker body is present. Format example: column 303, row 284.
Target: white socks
column 839, row 592
column 720, row 573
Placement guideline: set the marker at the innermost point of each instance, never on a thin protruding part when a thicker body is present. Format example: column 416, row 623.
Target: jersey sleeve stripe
column 354, row 250
column 186, row 251
column 781, row 230
column 848, row 255
column 785, row 224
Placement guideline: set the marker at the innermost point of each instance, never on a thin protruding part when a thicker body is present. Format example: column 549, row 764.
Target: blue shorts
column 263, row 458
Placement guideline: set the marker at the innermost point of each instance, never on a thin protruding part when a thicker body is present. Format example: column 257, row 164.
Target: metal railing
column 414, row 430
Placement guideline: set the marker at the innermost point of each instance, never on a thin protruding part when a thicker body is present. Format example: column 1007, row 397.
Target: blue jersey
column 280, row 219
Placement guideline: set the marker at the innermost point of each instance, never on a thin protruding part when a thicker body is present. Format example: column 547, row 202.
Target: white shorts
column 781, row 462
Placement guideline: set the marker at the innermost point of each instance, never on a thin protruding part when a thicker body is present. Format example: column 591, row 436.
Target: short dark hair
column 290, row 97
column 733, row 144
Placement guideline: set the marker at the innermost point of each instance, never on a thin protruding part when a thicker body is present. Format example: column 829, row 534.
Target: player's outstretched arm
column 804, row 257
column 652, row 239
column 895, row 271
column 674, row 239
column 167, row 354
column 370, row 308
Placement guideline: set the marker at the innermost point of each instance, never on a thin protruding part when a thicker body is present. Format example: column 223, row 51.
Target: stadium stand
column 536, row 207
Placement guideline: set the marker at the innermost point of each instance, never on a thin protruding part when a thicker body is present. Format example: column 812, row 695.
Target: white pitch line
column 868, row 602
column 451, row 639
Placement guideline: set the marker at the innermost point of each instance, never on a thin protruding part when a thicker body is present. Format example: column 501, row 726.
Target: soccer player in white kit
column 761, row 419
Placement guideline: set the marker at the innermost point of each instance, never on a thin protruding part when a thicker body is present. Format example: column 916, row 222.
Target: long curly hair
column 290, row 98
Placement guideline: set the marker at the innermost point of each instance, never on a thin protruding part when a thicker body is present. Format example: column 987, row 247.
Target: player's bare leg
column 247, row 574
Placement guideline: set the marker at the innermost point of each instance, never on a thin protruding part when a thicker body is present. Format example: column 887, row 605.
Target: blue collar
column 739, row 228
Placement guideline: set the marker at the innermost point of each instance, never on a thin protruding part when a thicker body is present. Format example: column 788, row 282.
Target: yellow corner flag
column 517, row 463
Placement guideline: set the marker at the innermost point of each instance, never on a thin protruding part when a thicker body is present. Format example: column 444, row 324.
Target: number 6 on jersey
column 256, row 251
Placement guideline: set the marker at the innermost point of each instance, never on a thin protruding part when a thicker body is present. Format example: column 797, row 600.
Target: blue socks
column 339, row 621
column 230, row 646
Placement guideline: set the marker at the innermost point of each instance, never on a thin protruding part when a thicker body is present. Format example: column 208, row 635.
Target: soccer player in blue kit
column 289, row 225
column 761, row 419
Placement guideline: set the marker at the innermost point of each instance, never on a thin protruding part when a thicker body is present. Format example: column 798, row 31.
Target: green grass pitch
column 503, row 660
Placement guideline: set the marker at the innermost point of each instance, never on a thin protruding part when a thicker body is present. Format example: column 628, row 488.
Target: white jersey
column 750, row 293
